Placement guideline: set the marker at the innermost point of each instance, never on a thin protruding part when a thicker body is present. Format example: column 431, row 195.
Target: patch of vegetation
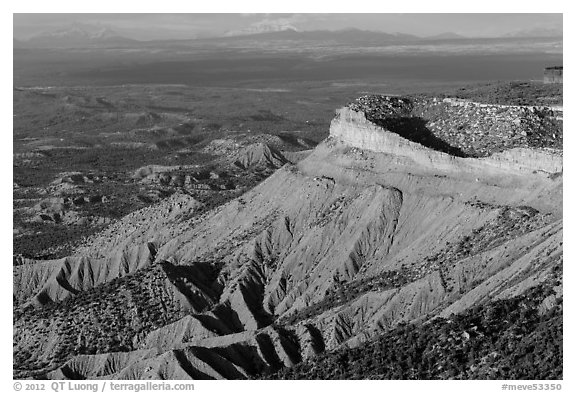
column 50, row 241
column 346, row 292
column 506, row 339
column 267, row 115
column 510, row 93
column 185, row 128
column 108, row 318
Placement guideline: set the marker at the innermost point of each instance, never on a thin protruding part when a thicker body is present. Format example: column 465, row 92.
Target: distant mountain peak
column 78, row 35
column 449, row 35
column 261, row 28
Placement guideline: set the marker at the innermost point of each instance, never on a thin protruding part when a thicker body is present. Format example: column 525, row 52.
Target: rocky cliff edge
column 352, row 128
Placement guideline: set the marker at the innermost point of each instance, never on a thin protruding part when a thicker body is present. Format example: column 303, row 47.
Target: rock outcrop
column 352, row 128
column 259, row 154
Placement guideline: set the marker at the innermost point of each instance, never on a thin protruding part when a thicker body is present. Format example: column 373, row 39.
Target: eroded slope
column 368, row 232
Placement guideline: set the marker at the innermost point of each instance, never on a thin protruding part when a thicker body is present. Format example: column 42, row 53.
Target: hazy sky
column 160, row 26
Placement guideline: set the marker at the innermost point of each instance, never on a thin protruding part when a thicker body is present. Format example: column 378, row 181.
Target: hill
column 378, row 239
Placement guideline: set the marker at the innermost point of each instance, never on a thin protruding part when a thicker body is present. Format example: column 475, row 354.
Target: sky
column 182, row 26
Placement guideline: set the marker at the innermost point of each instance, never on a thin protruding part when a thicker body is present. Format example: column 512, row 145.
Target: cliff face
column 352, row 128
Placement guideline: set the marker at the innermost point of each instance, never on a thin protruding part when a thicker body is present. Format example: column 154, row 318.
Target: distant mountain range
column 75, row 37
column 349, row 33
column 81, row 37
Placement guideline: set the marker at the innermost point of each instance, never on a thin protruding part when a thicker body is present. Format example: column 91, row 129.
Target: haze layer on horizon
column 185, row 26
